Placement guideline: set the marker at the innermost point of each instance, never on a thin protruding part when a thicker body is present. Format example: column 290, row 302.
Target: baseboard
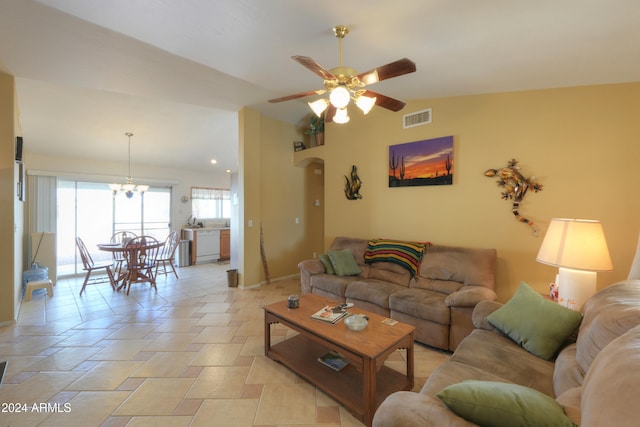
column 264, row 282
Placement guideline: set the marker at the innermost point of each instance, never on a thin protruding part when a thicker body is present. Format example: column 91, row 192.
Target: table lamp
column 578, row 248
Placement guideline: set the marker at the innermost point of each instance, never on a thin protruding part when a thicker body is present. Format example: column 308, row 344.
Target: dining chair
column 167, row 254
column 141, row 255
column 121, row 237
column 90, row 266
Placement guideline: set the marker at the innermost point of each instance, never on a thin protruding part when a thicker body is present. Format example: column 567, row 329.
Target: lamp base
column 575, row 287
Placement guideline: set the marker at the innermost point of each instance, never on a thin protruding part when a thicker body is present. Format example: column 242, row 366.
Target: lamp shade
column 318, row 106
column 365, row 103
column 340, row 97
column 341, row 116
column 577, row 244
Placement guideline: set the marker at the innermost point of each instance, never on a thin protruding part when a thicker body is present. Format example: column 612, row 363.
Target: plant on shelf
column 316, row 129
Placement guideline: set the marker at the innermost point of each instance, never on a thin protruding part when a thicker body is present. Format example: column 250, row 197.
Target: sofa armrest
column 312, row 266
column 406, row 408
column 480, row 313
column 470, row 296
column 308, row 268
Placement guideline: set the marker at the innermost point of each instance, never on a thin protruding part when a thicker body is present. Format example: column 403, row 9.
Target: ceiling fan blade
column 314, row 66
column 298, row 95
column 385, row 101
column 393, row 69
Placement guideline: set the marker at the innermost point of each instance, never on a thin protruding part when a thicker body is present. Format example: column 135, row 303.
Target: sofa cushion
column 408, row 255
column 495, row 404
column 374, row 291
column 357, row 246
column 388, row 272
column 326, row 262
column 332, row 284
column 422, row 304
column 343, row 262
column 607, row 315
column 567, row 374
column 539, row 325
column 570, row 401
column 468, row 266
column 611, row 385
column 495, row 353
column 437, row 285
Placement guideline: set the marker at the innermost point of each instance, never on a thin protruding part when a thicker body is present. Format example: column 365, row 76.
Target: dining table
column 132, row 254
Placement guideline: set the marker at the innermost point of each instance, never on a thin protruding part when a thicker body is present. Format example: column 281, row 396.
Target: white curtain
column 201, row 193
column 41, row 197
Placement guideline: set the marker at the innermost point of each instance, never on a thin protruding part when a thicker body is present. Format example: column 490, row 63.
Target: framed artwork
column 427, row 162
column 298, row 146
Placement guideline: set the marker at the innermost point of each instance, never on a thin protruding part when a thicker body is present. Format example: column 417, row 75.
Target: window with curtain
column 210, row 203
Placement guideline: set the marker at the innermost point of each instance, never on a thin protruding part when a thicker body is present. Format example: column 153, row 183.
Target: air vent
column 418, row 118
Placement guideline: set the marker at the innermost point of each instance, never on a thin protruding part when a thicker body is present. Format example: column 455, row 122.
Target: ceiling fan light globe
column 115, row 187
column 341, row 116
column 142, row 188
column 340, row 97
column 128, row 187
column 365, row 103
column 318, row 106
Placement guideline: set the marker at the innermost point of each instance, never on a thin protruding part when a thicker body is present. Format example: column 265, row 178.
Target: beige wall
column 582, row 144
column 274, row 195
column 10, row 208
column 314, row 209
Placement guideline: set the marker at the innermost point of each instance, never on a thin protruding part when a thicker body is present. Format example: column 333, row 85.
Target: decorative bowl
column 356, row 322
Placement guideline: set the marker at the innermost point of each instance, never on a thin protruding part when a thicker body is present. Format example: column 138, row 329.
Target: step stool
column 38, row 284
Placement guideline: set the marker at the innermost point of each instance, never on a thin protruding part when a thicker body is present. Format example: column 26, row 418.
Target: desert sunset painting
column 427, row 162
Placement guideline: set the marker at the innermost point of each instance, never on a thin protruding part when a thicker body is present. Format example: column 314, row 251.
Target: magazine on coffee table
column 333, row 360
column 330, row 314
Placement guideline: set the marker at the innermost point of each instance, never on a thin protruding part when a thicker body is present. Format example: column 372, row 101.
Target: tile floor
column 191, row 354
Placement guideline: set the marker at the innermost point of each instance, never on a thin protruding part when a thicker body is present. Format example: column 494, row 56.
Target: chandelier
column 129, row 187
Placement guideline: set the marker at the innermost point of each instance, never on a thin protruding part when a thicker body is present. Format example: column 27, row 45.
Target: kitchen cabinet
column 225, row 244
column 205, row 244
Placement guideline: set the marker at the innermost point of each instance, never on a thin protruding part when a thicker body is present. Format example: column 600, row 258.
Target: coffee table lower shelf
column 300, row 354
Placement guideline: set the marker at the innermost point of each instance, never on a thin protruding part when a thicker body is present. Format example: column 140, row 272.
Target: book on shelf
column 333, row 360
column 330, row 314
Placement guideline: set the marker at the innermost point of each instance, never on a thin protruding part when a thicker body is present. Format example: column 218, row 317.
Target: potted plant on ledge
column 316, row 129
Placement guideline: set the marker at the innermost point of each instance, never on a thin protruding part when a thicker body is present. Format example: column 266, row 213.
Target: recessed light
column 214, row 161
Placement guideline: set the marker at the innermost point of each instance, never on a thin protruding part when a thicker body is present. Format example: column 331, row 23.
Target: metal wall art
column 352, row 186
column 515, row 188
column 427, row 162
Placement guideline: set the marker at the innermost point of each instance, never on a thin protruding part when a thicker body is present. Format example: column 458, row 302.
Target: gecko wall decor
column 352, row 186
column 515, row 187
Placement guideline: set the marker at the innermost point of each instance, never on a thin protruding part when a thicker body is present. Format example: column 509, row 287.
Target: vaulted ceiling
column 175, row 73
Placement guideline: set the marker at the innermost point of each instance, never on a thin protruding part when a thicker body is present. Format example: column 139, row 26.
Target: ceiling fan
column 344, row 84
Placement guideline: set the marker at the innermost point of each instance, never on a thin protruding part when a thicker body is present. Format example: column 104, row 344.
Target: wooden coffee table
column 366, row 381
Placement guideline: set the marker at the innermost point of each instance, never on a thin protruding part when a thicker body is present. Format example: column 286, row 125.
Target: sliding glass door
column 90, row 211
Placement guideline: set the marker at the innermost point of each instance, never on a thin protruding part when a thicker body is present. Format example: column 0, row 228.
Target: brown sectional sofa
column 439, row 302
column 594, row 379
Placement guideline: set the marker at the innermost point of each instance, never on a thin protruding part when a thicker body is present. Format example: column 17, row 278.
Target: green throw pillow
column 343, row 262
column 495, row 404
column 539, row 325
column 324, row 259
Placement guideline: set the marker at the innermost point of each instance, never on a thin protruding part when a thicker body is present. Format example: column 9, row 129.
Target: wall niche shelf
column 308, row 156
